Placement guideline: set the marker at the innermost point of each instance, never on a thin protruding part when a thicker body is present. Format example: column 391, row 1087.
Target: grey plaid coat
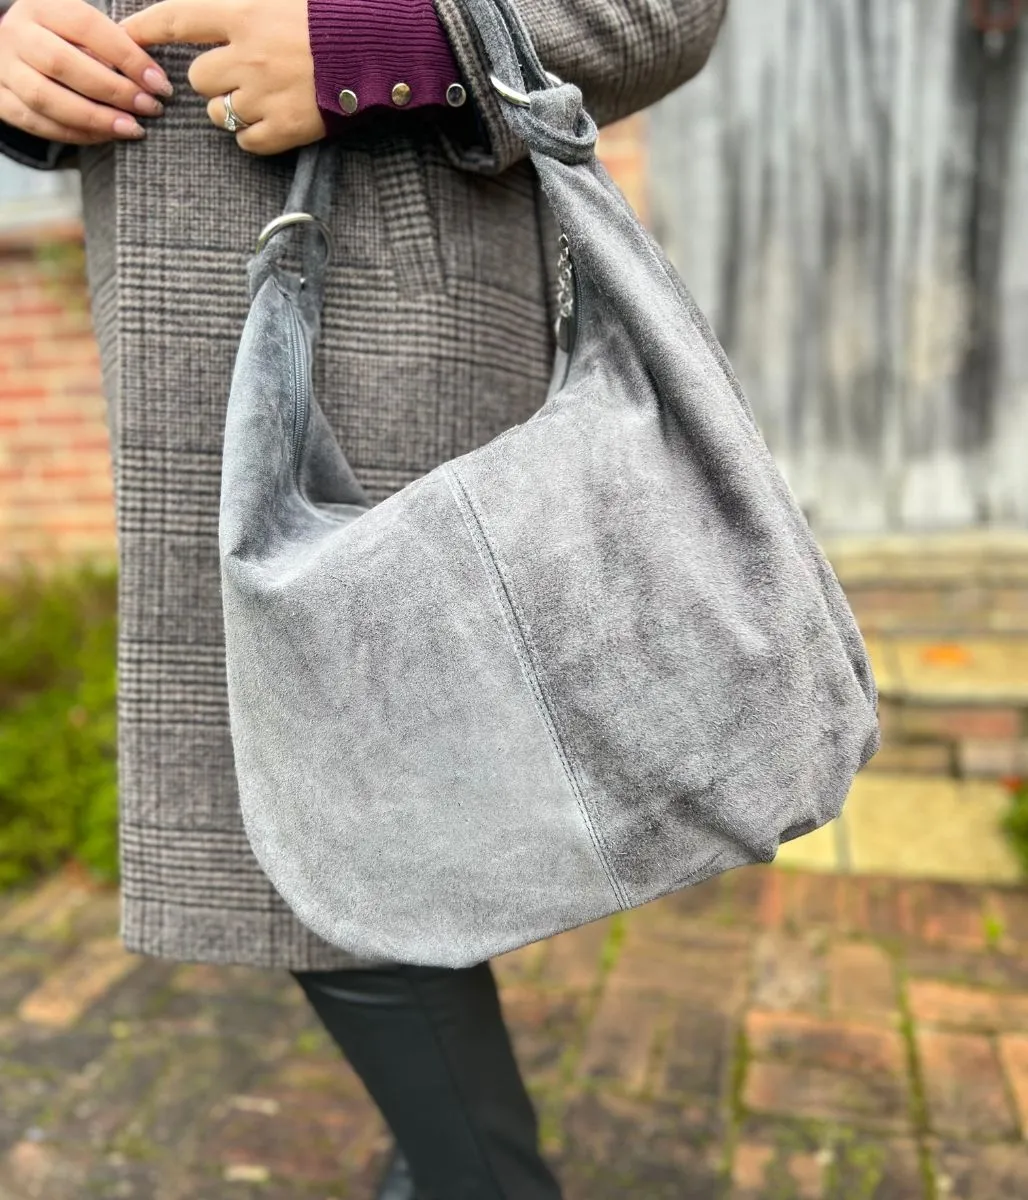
column 437, row 337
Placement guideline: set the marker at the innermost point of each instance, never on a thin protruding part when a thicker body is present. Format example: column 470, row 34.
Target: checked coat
column 437, row 336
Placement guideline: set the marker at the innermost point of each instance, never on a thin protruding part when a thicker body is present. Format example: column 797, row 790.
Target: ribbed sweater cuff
column 368, row 46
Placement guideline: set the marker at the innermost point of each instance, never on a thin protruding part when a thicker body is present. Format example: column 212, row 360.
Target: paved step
column 952, row 707
column 914, row 826
column 767, row 1035
column 984, row 671
column 991, row 556
column 966, row 584
column 945, row 618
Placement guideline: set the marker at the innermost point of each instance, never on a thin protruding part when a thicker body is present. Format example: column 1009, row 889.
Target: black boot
column 433, row 1051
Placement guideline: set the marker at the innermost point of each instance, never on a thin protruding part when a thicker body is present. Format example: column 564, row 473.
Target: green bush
column 1015, row 824
column 58, row 786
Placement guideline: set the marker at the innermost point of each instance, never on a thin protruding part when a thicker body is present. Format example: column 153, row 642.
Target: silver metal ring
column 287, row 220
column 521, row 99
column 233, row 122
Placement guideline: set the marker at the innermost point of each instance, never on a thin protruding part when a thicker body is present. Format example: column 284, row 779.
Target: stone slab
column 990, row 671
column 78, row 983
column 978, row 556
column 929, row 828
column 884, row 663
column 817, row 851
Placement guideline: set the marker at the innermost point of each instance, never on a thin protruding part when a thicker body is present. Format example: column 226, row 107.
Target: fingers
column 15, row 112
column 60, row 106
column 263, row 138
column 59, row 60
column 109, row 43
column 216, row 110
column 199, row 21
column 255, row 138
column 214, row 73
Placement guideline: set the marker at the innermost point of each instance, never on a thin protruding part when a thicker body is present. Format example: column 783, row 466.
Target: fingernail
column 147, row 105
column 127, row 127
column 157, row 81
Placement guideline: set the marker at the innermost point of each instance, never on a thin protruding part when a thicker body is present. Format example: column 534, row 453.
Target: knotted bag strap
column 544, row 112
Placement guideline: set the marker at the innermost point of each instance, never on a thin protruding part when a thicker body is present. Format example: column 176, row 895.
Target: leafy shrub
column 1015, row 824
column 58, row 786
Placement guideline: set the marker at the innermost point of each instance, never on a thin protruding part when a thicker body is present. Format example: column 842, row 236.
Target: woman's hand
column 70, row 74
column 263, row 60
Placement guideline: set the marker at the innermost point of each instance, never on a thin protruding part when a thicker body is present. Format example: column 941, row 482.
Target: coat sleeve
column 35, row 152
column 623, row 54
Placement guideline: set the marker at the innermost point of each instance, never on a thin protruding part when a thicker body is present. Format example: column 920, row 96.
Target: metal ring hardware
column 286, row 220
column 521, row 99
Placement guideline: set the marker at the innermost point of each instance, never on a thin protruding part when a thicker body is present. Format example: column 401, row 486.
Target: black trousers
column 433, row 1051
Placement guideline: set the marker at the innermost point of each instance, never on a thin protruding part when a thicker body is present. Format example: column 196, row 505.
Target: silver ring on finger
column 233, row 123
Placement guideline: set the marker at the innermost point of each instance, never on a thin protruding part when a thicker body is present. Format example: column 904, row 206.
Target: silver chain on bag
column 565, row 292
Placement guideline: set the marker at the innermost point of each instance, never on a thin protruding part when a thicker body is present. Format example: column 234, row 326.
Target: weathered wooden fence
column 845, row 189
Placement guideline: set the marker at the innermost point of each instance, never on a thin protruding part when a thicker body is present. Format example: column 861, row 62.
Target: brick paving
column 768, row 1036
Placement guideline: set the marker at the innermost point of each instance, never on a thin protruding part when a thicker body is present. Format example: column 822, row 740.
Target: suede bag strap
column 547, row 114
column 549, row 117
column 305, row 216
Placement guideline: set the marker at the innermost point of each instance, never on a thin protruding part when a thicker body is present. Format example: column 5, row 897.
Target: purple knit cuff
column 367, row 47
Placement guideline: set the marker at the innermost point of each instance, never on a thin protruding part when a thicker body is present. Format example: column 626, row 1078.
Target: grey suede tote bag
column 597, row 660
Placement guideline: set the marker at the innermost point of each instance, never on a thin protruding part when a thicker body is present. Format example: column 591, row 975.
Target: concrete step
column 945, row 619
column 916, row 826
column 966, row 584
column 956, row 707
column 982, row 671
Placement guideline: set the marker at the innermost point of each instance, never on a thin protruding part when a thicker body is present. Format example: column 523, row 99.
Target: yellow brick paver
column 817, row 851
column 986, row 671
column 77, row 983
column 46, row 911
column 880, row 650
column 929, row 827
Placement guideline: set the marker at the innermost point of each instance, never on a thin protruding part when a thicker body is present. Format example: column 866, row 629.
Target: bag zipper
column 301, row 363
column 301, row 387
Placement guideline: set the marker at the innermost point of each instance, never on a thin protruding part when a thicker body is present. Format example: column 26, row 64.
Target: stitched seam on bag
column 517, row 627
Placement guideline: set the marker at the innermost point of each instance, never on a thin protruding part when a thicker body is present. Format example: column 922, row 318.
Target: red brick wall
column 55, row 475
column 622, row 148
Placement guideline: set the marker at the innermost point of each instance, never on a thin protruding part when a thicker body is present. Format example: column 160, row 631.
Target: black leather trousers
column 432, row 1049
